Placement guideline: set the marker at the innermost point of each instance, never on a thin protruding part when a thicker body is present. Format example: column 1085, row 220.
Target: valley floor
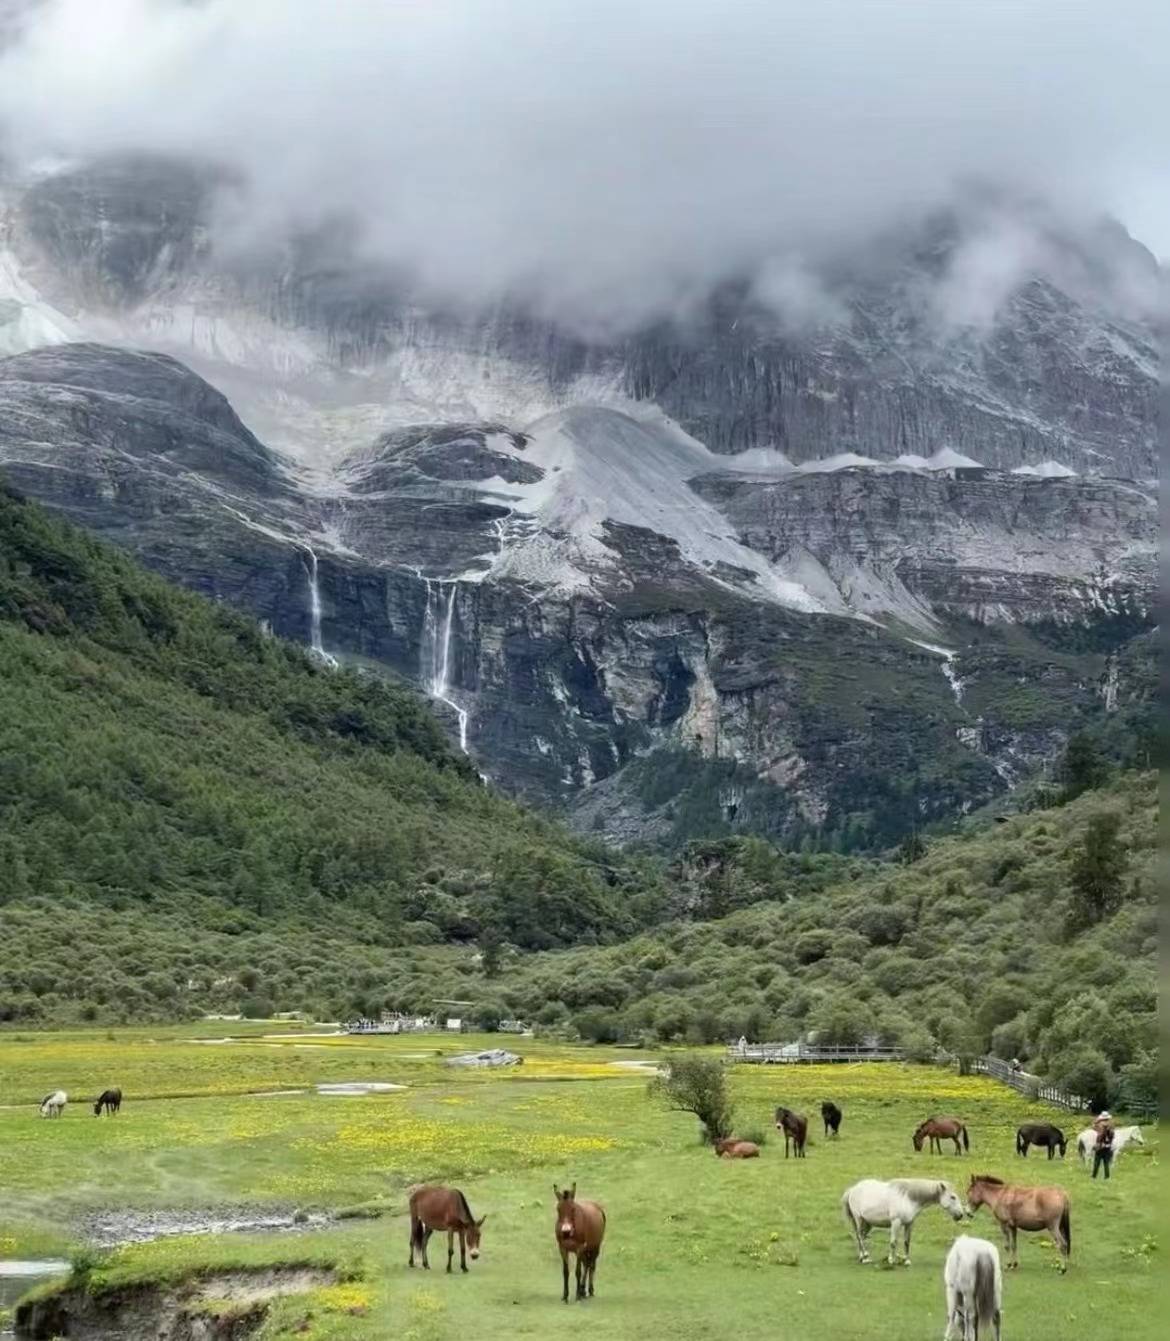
column 697, row 1248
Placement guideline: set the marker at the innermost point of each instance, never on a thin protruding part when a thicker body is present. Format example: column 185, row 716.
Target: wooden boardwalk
column 793, row 1054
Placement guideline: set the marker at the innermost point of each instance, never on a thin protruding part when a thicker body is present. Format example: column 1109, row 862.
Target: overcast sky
column 623, row 153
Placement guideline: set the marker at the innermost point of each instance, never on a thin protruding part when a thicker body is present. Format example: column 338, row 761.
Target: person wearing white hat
column 1103, row 1150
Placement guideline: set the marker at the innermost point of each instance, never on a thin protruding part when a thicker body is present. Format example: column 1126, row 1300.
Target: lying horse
column 1122, row 1137
column 1026, row 1208
column 732, row 1147
column 446, row 1208
column 936, row 1129
column 579, row 1228
column 1040, row 1133
column 831, row 1116
column 53, row 1105
column 896, row 1204
column 110, row 1100
column 795, row 1129
column 974, row 1285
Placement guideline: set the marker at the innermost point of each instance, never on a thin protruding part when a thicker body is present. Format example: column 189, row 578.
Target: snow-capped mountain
column 881, row 558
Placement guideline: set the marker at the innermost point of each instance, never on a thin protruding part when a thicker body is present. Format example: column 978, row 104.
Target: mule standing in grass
column 446, row 1208
column 795, row 1129
column 831, row 1116
column 579, row 1228
column 897, row 1204
column 731, row 1147
column 1043, row 1134
column 936, row 1130
column 53, row 1105
column 110, row 1100
column 974, row 1285
column 1026, row 1208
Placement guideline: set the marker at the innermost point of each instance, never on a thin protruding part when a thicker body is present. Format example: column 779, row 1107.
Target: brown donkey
column 579, row 1228
column 733, row 1148
column 936, row 1130
column 446, row 1208
column 795, row 1129
column 1027, row 1208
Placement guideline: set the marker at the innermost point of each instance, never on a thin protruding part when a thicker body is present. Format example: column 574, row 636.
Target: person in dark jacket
column 1103, row 1150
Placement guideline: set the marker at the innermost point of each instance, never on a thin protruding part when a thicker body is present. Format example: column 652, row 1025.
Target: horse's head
column 472, row 1235
column 97, row 1109
column 918, row 1136
column 982, row 1191
column 950, row 1201
column 781, row 1114
column 566, row 1211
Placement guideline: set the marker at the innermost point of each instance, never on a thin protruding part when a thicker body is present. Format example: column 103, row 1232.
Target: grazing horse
column 578, row 1228
column 1027, row 1208
column 795, row 1129
column 446, row 1208
column 53, row 1105
column 974, row 1285
column 110, row 1100
column 732, row 1147
column 1123, row 1136
column 1040, row 1133
column 897, row 1204
column 832, row 1118
column 937, row 1129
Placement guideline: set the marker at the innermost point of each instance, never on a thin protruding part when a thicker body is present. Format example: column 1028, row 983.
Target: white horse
column 974, row 1285
column 897, row 1204
column 1122, row 1136
column 53, row 1105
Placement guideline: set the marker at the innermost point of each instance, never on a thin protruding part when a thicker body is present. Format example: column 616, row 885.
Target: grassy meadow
column 697, row 1248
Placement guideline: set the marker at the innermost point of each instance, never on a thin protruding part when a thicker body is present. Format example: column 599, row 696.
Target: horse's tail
column 986, row 1303
column 417, row 1233
column 847, row 1212
column 1021, row 1148
column 966, row 1139
column 1066, row 1230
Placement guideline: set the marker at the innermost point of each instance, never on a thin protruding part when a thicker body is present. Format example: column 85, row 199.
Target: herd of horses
column 972, row 1274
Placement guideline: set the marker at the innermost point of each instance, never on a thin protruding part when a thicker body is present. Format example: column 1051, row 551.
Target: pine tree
column 1097, row 867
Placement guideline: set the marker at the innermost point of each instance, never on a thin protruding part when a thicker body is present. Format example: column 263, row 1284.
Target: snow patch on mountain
column 1046, row 470
column 600, row 465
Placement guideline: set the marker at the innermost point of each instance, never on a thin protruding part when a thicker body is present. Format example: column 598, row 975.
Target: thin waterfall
column 436, row 650
column 316, row 642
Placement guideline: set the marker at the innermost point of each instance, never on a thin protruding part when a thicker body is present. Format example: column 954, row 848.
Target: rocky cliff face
column 553, row 538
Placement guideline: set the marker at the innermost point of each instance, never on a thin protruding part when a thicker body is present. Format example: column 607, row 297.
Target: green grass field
column 696, row 1247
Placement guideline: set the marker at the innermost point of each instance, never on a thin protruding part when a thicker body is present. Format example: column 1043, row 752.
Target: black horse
column 832, row 1116
column 110, row 1100
column 1040, row 1133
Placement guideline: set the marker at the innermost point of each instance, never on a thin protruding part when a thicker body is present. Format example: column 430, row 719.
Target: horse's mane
column 465, row 1208
column 988, row 1178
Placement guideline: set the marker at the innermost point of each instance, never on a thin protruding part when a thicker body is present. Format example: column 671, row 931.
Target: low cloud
column 613, row 161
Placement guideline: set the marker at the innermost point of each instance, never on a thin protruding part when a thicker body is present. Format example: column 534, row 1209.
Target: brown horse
column 578, row 1228
column 795, row 1129
column 446, row 1208
column 1027, row 1208
column 937, row 1129
column 733, row 1148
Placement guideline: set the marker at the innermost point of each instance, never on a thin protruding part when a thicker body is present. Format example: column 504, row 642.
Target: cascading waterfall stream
column 436, row 650
column 315, row 640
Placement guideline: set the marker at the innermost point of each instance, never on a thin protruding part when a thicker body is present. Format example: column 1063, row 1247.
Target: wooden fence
column 789, row 1054
column 1032, row 1086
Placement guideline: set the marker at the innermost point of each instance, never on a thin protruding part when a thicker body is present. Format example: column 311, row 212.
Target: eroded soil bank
column 221, row 1306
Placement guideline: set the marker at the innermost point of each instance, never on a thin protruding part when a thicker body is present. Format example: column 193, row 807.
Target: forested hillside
column 194, row 816
column 160, row 752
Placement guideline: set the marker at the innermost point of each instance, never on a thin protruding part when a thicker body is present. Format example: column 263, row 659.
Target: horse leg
column 414, row 1234
column 582, row 1253
column 1015, row 1248
column 565, row 1275
column 450, row 1248
column 906, row 1235
column 861, row 1230
column 892, row 1257
column 462, row 1249
column 952, row 1312
column 426, row 1238
column 593, row 1256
